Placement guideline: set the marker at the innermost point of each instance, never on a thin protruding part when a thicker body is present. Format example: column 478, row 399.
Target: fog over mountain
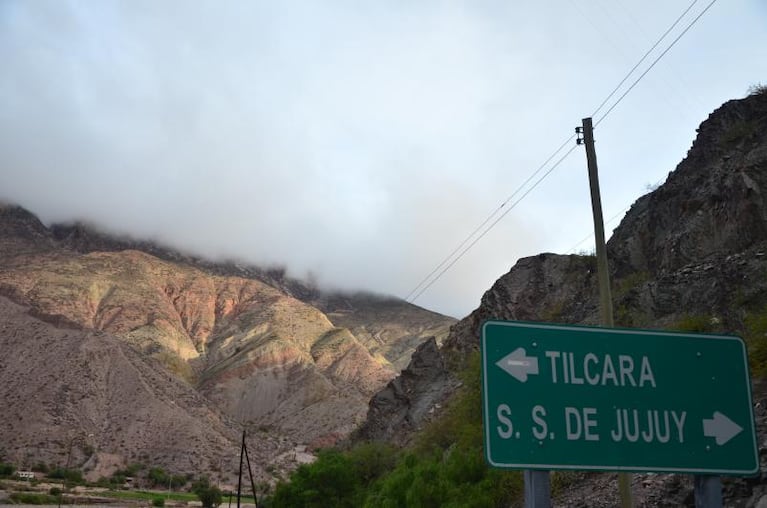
column 356, row 143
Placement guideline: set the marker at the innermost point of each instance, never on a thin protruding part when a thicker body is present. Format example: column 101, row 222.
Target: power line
column 660, row 39
column 663, row 53
column 446, row 263
column 489, row 218
column 690, row 25
column 486, row 231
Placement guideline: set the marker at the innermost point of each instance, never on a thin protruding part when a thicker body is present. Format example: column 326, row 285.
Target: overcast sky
column 357, row 141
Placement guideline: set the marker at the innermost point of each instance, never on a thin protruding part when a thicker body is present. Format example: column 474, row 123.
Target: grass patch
column 33, row 498
column 697, row 324
column 740, row 131
column 148, row 495
column 756, row 341
column 629, row 282
column 151, row 495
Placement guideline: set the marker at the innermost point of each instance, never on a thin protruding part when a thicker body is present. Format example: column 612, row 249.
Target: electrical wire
column 663, row 53
column 447, row 263
column 489, row 218
column 644, row 57
column 486, row 231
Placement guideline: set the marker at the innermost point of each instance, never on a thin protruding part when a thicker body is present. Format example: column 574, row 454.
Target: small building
column 26, row 475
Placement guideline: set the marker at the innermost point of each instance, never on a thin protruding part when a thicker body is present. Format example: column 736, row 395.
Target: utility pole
column 605, row 299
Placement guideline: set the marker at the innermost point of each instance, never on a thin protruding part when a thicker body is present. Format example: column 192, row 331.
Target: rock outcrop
column 410, row 399
column 692, row 252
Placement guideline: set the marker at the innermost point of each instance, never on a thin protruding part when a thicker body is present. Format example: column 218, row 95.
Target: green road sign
column 568, row 397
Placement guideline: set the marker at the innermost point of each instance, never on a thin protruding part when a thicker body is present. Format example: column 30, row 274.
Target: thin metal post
column 250, row 473
column 537, row 489
column 708, row 491
column 239, row 477
column 605, row 298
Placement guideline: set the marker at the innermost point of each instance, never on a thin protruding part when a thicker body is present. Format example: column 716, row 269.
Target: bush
column 158, row 476
column 31, row 498
column 7, row 469
column 210, row 495
column 696, row 324
column 446, row 468
column 131, row 470
column 69, row 475
column 177, row 481
column 756, row 341
column 330, row 481
column 158, row 501
column 40, row 467
column 757, row 89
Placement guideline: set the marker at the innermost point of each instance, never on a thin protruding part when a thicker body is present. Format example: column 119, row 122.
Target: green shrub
column 40, row 467
column 158, row 476
column 178, row 480
column 69, row 475
column 6, row 469
column 446, row 467
column 158, row 501
column 739, row 131
column 131, row 470
column 32, row 498
column 330, row 481
column 756, row 341
column 696, row 324
column 209, row 495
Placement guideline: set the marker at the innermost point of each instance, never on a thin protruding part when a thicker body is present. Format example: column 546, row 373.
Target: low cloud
column 359, row 143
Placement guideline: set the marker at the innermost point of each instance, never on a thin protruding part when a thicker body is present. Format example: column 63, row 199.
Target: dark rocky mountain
column 691, row 254
column 210, row 346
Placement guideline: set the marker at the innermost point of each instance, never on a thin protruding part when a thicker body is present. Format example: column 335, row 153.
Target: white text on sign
column 601, row 370
column 625, row 425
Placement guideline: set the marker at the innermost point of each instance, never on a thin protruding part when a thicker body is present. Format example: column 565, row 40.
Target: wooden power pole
column 605, row 298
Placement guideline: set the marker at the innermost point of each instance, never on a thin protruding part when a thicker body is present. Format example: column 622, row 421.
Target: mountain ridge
column 238, row 336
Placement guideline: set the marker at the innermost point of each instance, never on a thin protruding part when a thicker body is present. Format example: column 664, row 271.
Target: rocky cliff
column 691, row 254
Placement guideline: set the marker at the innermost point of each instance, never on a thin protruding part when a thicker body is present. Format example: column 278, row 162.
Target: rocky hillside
column 690, row 255
column 86, row 398
column 254, row 347
column 696, row 246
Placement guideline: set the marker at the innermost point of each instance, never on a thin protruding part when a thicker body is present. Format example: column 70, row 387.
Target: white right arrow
column 721, row 428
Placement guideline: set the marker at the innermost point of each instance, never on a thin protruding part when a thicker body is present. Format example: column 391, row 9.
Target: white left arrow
column 721, row 428
column 518, row 364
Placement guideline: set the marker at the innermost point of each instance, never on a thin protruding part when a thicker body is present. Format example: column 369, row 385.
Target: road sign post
column 583, row 398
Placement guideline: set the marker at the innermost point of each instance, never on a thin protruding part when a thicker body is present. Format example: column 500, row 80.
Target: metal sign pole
column 708, row 491
column 537, row 489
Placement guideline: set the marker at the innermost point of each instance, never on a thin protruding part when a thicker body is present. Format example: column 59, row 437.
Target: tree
column 210, row 495
column 7, row 469
column 331, row 480
column 158, row 476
